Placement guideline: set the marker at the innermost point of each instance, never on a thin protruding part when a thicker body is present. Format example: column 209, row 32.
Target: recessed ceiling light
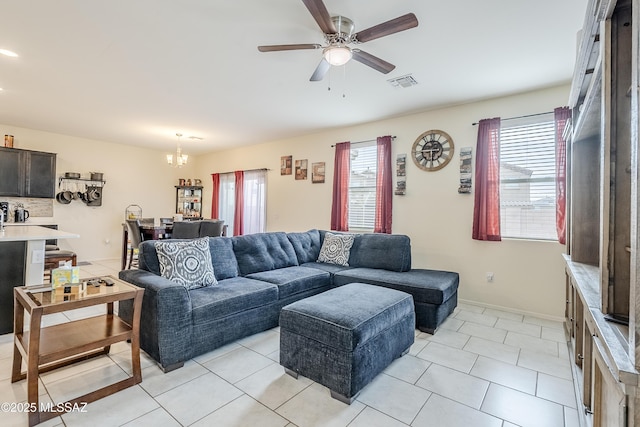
column 6, row 52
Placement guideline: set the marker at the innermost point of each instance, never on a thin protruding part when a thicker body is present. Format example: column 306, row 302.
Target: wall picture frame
column 317, row 173
column 286, row 165
column 301, row 169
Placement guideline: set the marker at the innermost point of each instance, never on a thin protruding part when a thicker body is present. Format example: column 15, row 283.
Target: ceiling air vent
column 403, row 81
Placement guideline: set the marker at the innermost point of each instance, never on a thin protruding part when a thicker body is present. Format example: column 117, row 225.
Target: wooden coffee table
column 48, row 348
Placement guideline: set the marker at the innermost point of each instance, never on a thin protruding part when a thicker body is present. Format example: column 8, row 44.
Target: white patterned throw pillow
column 336, row 248
column 187, row 262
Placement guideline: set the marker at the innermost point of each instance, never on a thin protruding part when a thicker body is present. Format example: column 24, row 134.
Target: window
column 254, row 197
column 253, row 204
column 227, row 200
column 362, row 187
column 527, row 178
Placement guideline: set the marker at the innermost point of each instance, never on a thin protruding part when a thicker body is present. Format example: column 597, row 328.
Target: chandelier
column 179, row 159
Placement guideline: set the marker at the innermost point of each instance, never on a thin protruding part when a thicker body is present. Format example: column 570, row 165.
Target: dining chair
column 185, row 230
column 211, row 227
column 135, row 236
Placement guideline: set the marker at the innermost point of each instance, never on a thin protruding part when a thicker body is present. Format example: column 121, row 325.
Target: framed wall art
column 465, row 171
column 286, row 163
column 301, row 169
column 317, row 173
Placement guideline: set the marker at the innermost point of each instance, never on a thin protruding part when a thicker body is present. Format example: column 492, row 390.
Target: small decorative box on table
column 48, row 348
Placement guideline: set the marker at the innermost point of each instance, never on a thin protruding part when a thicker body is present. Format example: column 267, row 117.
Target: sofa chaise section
column 435, row 293
column 385, row 260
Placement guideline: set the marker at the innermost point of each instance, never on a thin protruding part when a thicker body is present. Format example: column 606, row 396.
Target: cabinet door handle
column 581, row 357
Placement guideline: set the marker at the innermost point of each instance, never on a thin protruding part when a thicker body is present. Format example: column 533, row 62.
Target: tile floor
column 482, row 368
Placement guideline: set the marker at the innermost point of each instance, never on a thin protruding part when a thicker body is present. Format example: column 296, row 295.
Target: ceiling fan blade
column 319, row 12
column 278, row 47
column 401, row 23
column 372, row 61
column 320, row 71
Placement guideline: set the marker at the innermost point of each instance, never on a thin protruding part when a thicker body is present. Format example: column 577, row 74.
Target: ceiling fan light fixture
column 337, row 55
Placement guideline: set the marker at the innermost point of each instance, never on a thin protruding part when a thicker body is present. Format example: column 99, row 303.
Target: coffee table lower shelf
column 47, row 348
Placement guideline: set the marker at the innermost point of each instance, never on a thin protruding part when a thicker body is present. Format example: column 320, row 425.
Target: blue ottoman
column 344, row 337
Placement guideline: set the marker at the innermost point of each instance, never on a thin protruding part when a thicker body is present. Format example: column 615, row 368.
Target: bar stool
column 53, row 258
column 53, row 255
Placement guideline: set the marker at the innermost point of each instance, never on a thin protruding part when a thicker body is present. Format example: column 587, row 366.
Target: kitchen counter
column 22, row 262
column 26, row 232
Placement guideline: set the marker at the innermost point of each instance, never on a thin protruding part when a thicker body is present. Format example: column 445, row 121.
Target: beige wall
column 528, row 275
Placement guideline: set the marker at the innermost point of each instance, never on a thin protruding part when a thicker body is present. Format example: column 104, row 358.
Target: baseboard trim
column 512, row 310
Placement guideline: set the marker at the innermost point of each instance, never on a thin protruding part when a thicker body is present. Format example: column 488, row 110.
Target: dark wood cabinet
column 26, row 173
column 13, row 275
column 11, row 169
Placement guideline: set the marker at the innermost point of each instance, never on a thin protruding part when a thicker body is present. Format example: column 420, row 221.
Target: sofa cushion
column 329, row 268
column 263, row 251
column 306, row 245
column 426, row 286
column 293, row 280
column 387, row 251
column 230, row 296
column 336, row 248
column 187, row 263
column 222, row 257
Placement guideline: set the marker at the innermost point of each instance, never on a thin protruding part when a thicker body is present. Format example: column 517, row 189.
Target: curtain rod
column 368, row 140
column 521, row 117
column 246, row 170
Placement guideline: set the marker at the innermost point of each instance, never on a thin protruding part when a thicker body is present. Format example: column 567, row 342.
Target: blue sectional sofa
column 259, row 274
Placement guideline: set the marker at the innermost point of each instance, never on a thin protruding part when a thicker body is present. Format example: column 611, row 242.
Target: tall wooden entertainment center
column 603, row 270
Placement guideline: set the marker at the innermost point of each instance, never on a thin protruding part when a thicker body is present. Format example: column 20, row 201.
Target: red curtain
column 238, row 216
column 384, row 187
column 486, row 209
column 340, row 202
column 561, row 115
column 215, row 198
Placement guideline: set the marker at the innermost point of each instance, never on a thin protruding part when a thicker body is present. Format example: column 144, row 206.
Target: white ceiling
column 138, row 71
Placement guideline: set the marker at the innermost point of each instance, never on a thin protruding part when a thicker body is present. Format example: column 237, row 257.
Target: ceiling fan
column 339, row 34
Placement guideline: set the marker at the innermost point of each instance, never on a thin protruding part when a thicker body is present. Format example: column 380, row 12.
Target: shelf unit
column 603, row 216
column 84, row 181
column 189, row 201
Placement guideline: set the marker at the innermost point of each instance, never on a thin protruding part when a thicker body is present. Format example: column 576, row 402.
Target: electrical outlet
column 489, row 276
column 37, row 256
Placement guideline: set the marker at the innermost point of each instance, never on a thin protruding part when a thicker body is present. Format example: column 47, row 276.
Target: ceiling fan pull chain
column 344, row 80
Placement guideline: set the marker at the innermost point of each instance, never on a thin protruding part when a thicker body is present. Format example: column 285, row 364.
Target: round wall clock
column 432, row 150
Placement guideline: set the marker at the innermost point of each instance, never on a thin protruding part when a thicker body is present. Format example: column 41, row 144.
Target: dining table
column 149, row 232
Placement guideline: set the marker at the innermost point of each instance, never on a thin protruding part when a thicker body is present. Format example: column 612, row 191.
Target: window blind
column 527, row 178
column 362, row 187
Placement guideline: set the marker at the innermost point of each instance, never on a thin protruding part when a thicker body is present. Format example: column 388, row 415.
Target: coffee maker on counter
column 21, row 214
